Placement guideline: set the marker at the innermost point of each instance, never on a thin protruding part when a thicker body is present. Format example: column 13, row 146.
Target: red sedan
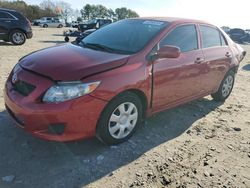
column 106, row 84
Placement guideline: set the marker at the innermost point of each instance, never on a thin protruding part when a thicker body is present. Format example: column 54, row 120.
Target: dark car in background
column 94, row 24
column 239, row 35
column 14, row 27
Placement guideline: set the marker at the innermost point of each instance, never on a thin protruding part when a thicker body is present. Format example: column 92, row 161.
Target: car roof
column 8, row 10
column 174, row 20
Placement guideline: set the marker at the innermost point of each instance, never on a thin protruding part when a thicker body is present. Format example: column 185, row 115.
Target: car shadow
column 54, row 41
column 246, row 67
column 39, row 163
column 6, row 44
column 57, row 35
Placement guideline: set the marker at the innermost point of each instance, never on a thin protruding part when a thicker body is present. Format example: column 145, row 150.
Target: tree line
column 49, row 8
column 93, row 11
column 30, row 11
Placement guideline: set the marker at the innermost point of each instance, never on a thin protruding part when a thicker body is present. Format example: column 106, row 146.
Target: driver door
column 177, row 80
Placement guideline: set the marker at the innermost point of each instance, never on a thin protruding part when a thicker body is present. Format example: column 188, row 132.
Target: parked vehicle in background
column 67, row 24
column 51, row 22
column 14, row 27
column 94, row 24
column 36, row 22
column 109, row 82
column 75, row 24
column 247, row 31
column 239, row 35
column 225, row 29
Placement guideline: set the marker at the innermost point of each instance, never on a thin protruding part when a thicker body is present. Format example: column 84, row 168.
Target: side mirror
column 169, row 52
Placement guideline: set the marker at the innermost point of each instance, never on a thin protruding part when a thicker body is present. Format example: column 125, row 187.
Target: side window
column 210, row 37
column 101, row 22
column 184, row 37
column 4, row 15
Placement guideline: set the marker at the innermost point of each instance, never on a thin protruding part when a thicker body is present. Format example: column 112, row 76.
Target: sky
column 219, row 12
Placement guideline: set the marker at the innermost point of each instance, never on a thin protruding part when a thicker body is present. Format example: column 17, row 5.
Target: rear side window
column 184, row 37
column 5, row 15
column 210, row 37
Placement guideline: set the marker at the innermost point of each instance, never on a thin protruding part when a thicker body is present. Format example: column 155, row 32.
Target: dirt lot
column 201, row 144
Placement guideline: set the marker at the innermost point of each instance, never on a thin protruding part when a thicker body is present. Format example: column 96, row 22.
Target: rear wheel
column 60, row 26
column 66, row 39
column 45, row 25
column 17, row 37
column 226, row 87
column 120, row 119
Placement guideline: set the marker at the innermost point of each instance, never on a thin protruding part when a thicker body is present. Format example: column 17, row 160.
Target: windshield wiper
column 102, row 47
column 98, row 47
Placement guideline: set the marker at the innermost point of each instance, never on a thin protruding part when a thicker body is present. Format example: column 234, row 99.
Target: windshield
column 92, row 21
column 126, row 36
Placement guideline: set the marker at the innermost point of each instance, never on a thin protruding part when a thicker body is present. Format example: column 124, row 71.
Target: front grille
column 23, row 88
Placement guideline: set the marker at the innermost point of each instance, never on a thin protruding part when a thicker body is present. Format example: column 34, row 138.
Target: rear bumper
column 29, row 34
column 78, row 117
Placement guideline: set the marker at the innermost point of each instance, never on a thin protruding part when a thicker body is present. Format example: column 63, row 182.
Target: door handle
column 199, row 60
column 228, row 54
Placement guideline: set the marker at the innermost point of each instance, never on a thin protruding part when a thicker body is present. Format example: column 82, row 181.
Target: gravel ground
column 200, row 144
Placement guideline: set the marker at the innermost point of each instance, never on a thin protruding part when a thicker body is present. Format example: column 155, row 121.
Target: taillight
column 28, row 22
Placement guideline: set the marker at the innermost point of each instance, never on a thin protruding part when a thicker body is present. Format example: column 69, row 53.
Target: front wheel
column 120, row 119
column 226, row 87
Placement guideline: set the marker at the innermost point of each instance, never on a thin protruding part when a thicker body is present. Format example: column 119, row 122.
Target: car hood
column 71, row 62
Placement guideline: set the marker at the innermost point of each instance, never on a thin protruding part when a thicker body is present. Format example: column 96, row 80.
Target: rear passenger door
column 217, row 56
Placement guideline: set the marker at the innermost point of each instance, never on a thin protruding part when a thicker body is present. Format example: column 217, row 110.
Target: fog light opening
column 57, row 129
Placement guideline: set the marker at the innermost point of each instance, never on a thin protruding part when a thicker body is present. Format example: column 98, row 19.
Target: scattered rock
column 222, row 120
column 205, row 163
column 207, row 174
column 100, row 158
column 111, row 174
column 237, row 129
column 188, row 132
column 212, row 149
column 249, row 155
column 165, row 180
column 9, row 178
column 230, row 147
column 171, row 159
column 138, row 174
column 194, row 171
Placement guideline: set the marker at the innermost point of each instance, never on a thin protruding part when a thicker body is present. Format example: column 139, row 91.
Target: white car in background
column 75, row 24
column 52, row 22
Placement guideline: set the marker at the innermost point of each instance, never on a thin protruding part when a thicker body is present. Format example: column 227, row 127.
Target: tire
column 66, row 39
column 60, row 26
column 45, row 25
column 17, row 37
column 225, row 88
column 124, row 124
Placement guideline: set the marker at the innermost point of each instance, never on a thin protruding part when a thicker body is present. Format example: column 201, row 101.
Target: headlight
column 65, row 91
column 16, row 68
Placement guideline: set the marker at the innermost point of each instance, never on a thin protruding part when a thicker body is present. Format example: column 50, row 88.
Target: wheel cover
column 123, row 120
column 227, row 85
column 18, row 37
